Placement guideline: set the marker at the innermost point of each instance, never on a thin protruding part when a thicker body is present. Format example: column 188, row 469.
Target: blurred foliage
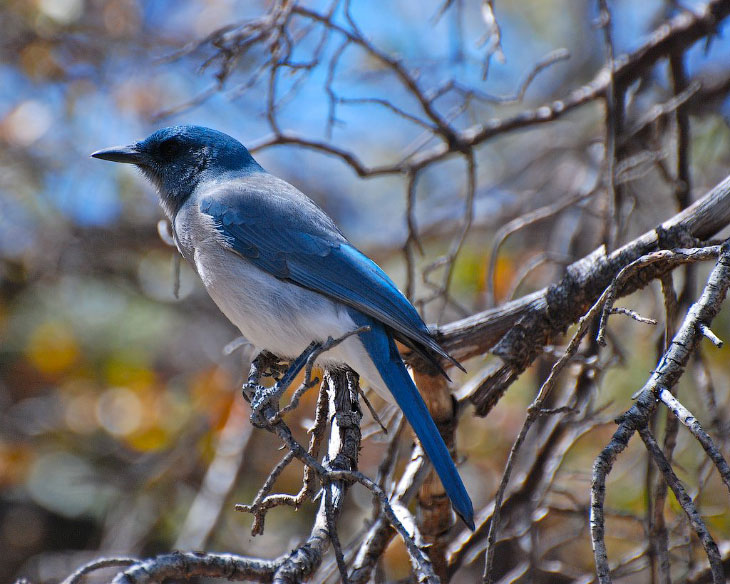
column 113, row 392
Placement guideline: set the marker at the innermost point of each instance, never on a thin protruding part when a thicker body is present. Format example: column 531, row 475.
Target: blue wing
column 281, row 231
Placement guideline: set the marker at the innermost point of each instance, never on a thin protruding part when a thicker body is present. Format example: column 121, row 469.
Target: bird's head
column 178, row 158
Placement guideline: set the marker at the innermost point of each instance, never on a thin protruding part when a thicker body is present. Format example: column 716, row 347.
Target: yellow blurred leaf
column 52, row 348
column 153, row 438
column 125, row 372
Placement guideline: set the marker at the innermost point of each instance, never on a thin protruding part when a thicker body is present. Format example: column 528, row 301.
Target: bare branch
column 686, row 417
column 98, row 564
column 614, row 106
column 191, row 564
column 521, row 222
column 632, row 314
column 666, row 375
column 713, row 553
column 669, row 257
column 517, row 331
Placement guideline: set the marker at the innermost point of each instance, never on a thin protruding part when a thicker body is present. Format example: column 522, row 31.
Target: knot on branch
column 517, row 346
column 348, row 419
column 677, row 235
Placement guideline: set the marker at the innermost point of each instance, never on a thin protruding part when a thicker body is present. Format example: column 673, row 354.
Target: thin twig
column 686, row 417
column 98, row 564
column 688, row 506
column 673, row 257
column 522, row 222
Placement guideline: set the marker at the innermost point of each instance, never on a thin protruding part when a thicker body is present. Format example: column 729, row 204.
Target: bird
column 280, row 270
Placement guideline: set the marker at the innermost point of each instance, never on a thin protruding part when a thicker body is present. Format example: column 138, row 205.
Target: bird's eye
column 170, row 148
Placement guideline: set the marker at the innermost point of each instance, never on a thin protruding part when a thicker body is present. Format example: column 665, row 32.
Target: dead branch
column 517, row 331
column 666, row 375
column 665, row 467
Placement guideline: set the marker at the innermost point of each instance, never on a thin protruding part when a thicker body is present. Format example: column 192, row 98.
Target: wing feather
column 281, row 231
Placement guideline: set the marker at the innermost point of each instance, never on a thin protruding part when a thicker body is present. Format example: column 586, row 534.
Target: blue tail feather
column 382, row 350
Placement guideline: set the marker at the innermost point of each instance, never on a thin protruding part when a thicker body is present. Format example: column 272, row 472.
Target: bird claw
column 265, row 400
column 265, row 404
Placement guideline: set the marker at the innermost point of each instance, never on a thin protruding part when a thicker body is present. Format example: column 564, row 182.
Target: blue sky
column 86, row 192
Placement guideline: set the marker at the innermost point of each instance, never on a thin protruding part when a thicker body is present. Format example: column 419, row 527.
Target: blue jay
column 281, row 271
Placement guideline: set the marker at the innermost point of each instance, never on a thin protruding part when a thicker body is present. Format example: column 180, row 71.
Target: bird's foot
column 265, row 400
column 265, row 404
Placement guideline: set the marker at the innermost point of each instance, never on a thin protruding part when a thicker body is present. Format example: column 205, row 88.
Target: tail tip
column 467, row 517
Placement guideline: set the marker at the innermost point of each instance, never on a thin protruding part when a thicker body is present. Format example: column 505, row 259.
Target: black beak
column 129, row 154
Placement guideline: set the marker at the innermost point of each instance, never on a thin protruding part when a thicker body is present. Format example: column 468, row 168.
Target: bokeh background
column 116, row 395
